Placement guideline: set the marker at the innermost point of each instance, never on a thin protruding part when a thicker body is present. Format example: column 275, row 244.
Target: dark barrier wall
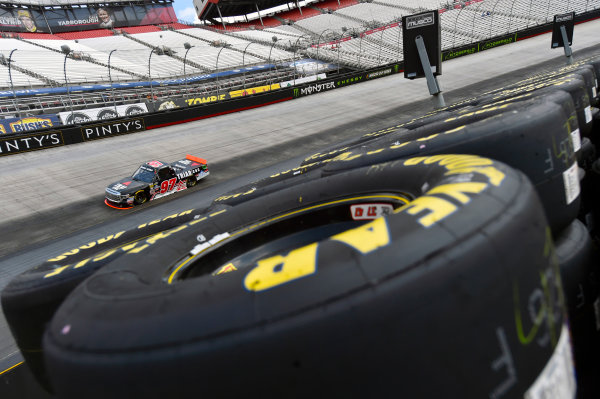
column 15, row 144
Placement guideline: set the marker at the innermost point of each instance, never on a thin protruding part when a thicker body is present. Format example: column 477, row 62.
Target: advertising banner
column 207, row 99
column 165, row 103
column 497, row 41
column 424, row 26
column 309, row 66
column 306, row 79
column 30, row 142
column 102, row 130
column 568, row 21
column 66, row 19
column 313, row 89
column 28, row 123
column 232, row 94
column 95, row 114
column 253, row 90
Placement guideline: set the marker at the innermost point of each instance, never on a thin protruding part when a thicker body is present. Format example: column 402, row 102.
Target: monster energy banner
column 67, row 19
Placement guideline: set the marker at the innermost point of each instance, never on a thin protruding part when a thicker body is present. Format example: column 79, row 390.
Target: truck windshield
column 144, row 174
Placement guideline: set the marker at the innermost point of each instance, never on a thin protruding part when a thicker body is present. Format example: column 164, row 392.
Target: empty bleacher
column 346, row 33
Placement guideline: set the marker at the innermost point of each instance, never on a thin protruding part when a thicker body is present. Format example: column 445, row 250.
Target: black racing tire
column 587, row 154
column 588, row 73
column 580, row 271
column 140, row 197
column 536, row 140
column 30, row 299
column 573, row 83
column 191, row 181
column 416, row 302
column 578, row 84
column 396, row 135
column 595, row 64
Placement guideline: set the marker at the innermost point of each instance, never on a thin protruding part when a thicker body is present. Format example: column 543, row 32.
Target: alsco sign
column 420, row 20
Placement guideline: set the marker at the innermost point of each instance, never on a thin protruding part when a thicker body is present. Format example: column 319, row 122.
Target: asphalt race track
column 53, row 199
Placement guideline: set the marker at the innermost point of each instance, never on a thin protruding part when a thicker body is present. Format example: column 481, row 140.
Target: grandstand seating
column 18, row 78
column 353, row 34
column 380, row 14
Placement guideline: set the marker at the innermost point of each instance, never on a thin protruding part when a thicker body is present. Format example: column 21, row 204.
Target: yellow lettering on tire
column 494, row 175
column 56, row 271
column 437, row 209
column 458, row 191
column 279, row 269
column 366, row 238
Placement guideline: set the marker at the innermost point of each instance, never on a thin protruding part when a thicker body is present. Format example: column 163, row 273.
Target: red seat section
column 28, row 35
column 85, row 34
column 333, row 4
column 295, row 15
column 141, row 29
column 177, row 25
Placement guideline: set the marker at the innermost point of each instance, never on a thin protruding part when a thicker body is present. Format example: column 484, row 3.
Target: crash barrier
column 222, row 103
column 290, row 314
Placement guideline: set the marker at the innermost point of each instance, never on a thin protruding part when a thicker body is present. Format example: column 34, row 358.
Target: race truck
column 155, row 179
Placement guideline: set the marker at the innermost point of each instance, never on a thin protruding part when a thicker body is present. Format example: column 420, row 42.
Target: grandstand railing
column 347, row 42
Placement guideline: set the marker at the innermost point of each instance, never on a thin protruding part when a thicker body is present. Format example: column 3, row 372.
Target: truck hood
column 127, row 186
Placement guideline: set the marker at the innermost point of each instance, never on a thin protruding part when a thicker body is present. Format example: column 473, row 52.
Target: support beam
column 259, row 17
column 568, row 51
column 432, row 83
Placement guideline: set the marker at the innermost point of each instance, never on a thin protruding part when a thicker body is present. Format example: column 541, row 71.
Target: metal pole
column 493, row 16
column 432, row 83
column 259, row 17
column 12, row 87
column 274, row 39
column 294, row 56
column 244, row 64
column 318, row 46
column 217, row 71
column 360, row 50
column 67, row 84
column 338, row 60
column 568, row 51
column 150, row 75
column 112, row 89
column 380, row 47
column 399, row 32
column 512, row 6
column 188, row 47
column 455, row 25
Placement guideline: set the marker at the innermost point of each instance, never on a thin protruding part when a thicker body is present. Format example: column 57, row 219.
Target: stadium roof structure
column 211, row 9
column 59, row 3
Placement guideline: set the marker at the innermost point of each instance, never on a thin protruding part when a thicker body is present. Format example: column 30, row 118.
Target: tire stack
column 452, row 255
